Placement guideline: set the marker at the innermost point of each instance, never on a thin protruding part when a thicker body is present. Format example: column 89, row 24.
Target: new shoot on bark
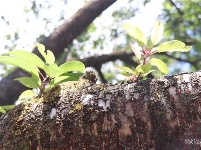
column 148, row 48
column 43, row 74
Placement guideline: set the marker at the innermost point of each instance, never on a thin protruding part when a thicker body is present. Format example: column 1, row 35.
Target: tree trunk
column 57, row 41
column 159, row 114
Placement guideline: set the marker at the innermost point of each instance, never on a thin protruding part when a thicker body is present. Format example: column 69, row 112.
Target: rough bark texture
column 160, row 114
column 57, row 41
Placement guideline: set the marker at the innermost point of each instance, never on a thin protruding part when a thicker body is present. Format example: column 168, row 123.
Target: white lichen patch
column 172, row 92
column 198, row 73
column 104, row 104
column 86, row 99
column 107, row 104
column 101, row 103
column 92, row 102
column 186, row 77
column 127, row 90
column 53, row 113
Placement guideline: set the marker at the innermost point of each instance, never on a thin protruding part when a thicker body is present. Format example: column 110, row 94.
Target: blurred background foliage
column 182, row 19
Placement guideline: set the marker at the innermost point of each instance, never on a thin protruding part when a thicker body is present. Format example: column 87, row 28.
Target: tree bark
column 57, row 41
column 159, row 114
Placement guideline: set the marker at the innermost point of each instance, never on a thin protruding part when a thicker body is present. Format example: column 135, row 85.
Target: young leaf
column 145, row 74
column 136, row 52
column 27, row 56
column 72, row 66
column 41, row 49
column 143, row 69
column 27, row 94
column 126, row 69
column 138, row 69
column 50, row 59
column 146, row 68
column 172, row 46
column 162, row 67
column 124, row 73
column 57, row 80
column 157, row 33
column 29, row 82
column 8, row 107
column 149, row 44
column 20, row 63
column 2, row 110
column 135, row 33
column 75, row 75
column 52, row 70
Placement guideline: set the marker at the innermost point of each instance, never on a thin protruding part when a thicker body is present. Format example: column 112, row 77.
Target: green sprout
column 148, row 49
column 44, row 75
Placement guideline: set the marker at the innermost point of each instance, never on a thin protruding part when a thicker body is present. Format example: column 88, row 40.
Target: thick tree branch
column 94, row 61
column 155, row 114
column 57, row 41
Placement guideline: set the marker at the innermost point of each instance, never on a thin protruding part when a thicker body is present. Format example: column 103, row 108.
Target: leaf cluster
column 148, row 45
column 43, row 74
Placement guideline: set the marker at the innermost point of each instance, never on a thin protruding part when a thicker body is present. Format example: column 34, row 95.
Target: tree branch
column 155, row 114
column 179, row 11
column 180, row 59
column 57, row 41
column 99, row 60
column 101, row 74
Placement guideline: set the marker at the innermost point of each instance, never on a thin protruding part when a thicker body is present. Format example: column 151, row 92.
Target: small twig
column 179, row 11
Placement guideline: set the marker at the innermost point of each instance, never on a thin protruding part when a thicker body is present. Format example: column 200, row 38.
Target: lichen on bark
column 151, row 114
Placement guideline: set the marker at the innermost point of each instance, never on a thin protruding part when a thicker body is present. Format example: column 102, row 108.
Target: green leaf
column 27, row 94
column 143, row 69
column 29, row 82
column 27, row 56
column 145, row 74
column 172, row 46
column 2, row 110
column 149, row 44
column 50, row 59
column 138, row 70
column 41, row 49
column 126, row 69
column 135, row 33
column 20, row 63
column 73, row 75
column 8, row 107
column 72, row 66
column 52, row 70
column 162, row 67
column 57, row 80
column 157, row 33
column 146, row 68
column 124, row 73
column 136, row 52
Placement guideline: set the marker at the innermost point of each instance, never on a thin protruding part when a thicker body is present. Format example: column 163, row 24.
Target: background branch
column 98, row 69
column 179, row 11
